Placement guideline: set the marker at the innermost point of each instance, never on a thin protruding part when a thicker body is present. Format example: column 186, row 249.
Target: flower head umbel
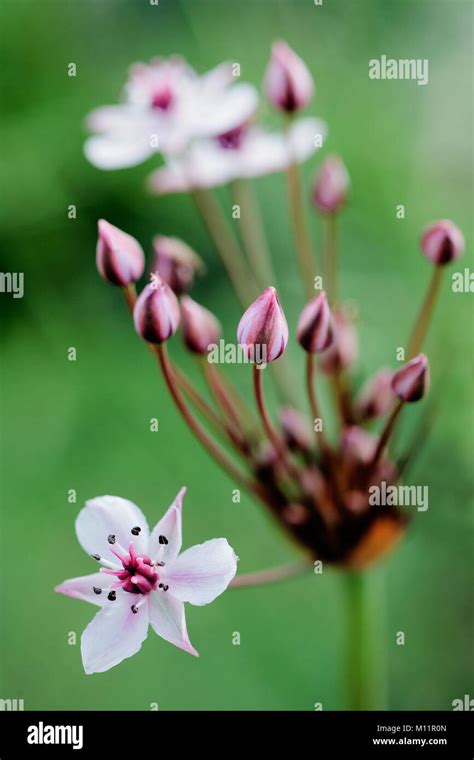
column 144, row 580
column 166, row 105
column 119, row 257
column 263, row 330
column 442, row 242
column 288, row 83
column 156, row 313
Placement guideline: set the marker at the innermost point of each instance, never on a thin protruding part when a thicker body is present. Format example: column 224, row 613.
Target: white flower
column 148, row 585
column 244, row 152
column 166, row 105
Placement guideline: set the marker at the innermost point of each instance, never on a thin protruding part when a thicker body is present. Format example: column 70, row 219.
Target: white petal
column 110, row 119
column 170, row 527
column 228, row 110
column 168, row 620
column 106, row 515
column 117, row 150
column 83, row 588
column 202, row 572
column 114, row 634
column 304, row 137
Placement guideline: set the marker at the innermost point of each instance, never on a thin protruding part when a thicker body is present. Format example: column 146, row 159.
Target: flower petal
column 168, row 620
column 114, row 634
column 202, row 572
column 83, row 588
column 170, row 527
column 107, row 515
column 118, row 150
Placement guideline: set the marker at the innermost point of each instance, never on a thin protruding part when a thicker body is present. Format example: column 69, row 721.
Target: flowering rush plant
column 316, row 484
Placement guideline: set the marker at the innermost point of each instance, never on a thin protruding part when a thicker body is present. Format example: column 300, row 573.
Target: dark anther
column 165, row 588
column 112, row 596
column 135, row 531
column 163, row 540
column 160, row 564
column 111, row 539
column 97, row 590
column 96, row 557
column 160, row 585
column 134, row 609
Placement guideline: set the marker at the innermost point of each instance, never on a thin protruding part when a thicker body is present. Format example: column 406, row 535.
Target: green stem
column 253, row 235
column 330, row 258
column 227, row 247
column 302, row 241
column 365, row 663
column 426, row 311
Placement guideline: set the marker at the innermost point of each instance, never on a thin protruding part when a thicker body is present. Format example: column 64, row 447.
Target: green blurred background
column 85, row 424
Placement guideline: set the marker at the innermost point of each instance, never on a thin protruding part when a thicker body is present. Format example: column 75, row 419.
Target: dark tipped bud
column 176, row 263
column 296, row 429
column 343, row 350
column 442, row 242
column 411, row 382
column 376, row 397
column 119, row 257
column 263, row 330
column 288, row 83
column 200, row 326
column 331, row 186
column 156, row 314
column 314, row 330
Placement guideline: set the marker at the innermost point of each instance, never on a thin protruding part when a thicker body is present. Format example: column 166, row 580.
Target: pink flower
column 156, row 314
column 200, row 326
column 143, row 579
column 314, row 331
column 376, row 397
column 246, row 152
column 263, row 330
column 331, row 186
column 288, row 83
column 411, row 382
column 119, row 257
column 166, row 106
column 442, row 242
column 176, row 263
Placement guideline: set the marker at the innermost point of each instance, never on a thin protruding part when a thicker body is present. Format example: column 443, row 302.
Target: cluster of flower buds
column 315, row 482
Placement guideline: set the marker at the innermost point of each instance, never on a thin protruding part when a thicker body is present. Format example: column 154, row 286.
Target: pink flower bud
column 411, row 381
column 314, row 331
column 200, row 326
column 156, row 313
column 357, row 445
column 343, row 350
column 288, row 83
column 442, row 242
column 331, row 186
column 176, row 263
column 376, row 397
column 263, row 330
column 296, row 429
column 119, row 257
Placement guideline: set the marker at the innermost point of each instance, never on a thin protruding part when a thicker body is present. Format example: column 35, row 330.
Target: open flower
column 143, row 579
column 244, row 152
column 166, row 105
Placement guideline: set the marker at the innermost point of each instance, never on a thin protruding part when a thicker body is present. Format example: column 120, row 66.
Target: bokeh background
column 85, row 424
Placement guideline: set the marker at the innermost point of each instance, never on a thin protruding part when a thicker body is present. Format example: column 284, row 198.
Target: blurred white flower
column 244, row 152
column 166, row 105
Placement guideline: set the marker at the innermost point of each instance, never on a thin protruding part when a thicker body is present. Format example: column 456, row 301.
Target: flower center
column 232, row 140
column 162, row 98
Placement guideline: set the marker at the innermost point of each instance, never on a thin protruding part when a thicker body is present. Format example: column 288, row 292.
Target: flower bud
column 411, row 381
column 442, row 242
column 176, row 263
column 314, row 331
column 376, row 397
column 200, row 326
column 331, row 186
column 288, row 83
column 357, row 445
column 156, row 313
column 296, row 429
column 119, row 257
column 263, row 331
column 343, row 350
